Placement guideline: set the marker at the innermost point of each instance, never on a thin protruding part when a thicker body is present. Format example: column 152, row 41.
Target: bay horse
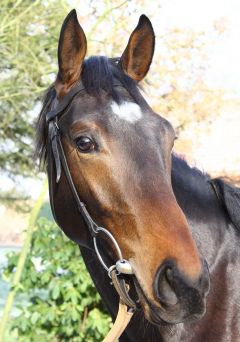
column 109, row 160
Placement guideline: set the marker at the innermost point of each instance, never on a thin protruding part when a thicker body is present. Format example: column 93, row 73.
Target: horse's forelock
column 101, row 73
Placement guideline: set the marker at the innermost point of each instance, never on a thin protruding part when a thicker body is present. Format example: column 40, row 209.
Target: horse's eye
column 85, row 144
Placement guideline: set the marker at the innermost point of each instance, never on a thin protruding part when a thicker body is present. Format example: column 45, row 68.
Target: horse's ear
column 72, row 49
column 137, row 57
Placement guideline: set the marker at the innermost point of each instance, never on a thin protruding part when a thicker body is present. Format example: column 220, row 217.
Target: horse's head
column 119, row 155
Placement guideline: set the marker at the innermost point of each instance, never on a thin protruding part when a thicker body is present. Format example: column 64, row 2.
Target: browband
column 65, row 102
column 62, row 105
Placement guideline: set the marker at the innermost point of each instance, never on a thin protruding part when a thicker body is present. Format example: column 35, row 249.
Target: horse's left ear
column 137, row 57
column 72, row 49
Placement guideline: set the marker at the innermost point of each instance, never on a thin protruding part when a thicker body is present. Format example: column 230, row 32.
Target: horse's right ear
column 137, row 57
column 72, row 48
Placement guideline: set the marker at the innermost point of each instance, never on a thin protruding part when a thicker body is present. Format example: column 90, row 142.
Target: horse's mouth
column 160, row 314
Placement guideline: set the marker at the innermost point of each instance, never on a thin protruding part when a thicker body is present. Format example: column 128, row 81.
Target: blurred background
column 194, row 81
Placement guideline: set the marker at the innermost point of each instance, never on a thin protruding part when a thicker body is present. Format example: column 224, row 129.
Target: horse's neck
column 218, row 242
column 205, row 215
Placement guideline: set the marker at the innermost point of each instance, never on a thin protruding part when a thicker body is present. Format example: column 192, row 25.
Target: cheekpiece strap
column 54, row 136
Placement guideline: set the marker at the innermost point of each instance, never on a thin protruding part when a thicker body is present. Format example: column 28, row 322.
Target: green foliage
column 28, row 38
column 62, row 303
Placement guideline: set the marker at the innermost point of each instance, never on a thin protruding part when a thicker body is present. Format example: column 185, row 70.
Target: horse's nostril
column 171, row 287
column 163, row 287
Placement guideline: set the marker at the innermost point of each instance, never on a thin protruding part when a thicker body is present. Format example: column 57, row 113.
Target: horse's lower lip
column 155, row 317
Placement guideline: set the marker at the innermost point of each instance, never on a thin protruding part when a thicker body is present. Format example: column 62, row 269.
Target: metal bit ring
column 110, row 236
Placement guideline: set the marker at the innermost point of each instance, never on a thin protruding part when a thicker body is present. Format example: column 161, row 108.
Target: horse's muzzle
column 180, row 299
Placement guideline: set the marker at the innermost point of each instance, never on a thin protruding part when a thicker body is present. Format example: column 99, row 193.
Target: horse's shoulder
column 229, row 196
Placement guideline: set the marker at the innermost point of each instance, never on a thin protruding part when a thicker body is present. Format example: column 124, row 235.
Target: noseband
column 122, row 267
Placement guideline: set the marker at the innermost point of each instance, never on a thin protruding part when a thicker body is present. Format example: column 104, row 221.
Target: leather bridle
column 122, row 267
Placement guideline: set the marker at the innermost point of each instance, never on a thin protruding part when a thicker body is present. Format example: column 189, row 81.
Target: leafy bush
column 62, row 303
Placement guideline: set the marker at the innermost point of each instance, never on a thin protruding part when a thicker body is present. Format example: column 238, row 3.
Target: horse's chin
column 174, row 314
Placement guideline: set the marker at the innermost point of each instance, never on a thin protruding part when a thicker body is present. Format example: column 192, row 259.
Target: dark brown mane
column 98, row 74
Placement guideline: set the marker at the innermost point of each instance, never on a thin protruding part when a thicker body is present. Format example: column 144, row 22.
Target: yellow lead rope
column 123, row 318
